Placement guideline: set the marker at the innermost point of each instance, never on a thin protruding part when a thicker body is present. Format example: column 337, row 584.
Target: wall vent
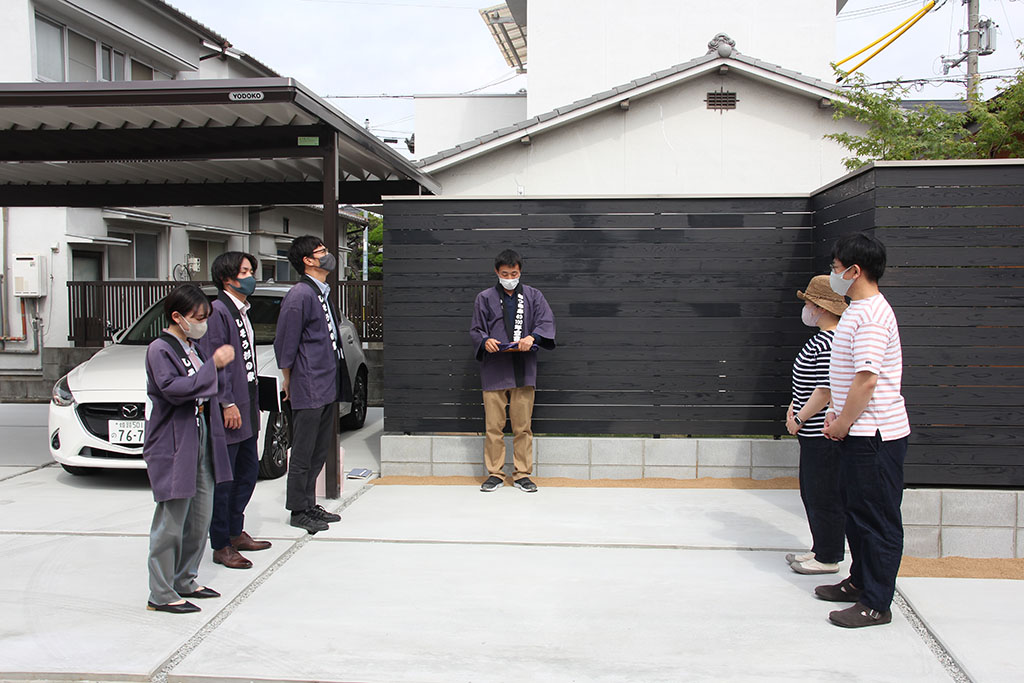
column 721, row 100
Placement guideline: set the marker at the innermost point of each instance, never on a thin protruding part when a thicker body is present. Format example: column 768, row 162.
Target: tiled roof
column 617, row 93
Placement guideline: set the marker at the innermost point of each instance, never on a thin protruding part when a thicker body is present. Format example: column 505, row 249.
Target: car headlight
column 62, row 395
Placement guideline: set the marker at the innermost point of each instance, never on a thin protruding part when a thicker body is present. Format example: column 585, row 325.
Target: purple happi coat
column 236, row 381
column 171, row 449
column 515, row 369
column 302, row 344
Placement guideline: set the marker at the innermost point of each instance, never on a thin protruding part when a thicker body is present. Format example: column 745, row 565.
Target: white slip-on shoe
column 793, row 557
column 812, row 566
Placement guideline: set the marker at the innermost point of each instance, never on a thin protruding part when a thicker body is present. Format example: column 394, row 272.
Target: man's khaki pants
column 520, row 411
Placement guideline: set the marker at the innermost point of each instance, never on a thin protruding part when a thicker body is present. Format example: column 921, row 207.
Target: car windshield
column 262, row 316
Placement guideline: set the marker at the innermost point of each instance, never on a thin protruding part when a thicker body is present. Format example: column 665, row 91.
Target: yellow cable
column 917, row 15
column 891, row 40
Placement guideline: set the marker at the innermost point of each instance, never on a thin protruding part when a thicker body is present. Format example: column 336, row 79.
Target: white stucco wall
column 16, row 17
column 580, row 50
column 669, row 143
column 443, row 121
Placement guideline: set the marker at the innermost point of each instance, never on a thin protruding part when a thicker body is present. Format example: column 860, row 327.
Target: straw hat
column 820, row 292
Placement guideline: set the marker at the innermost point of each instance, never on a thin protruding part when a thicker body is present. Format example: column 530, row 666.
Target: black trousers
column 312, row 440
column 823, row 502
column 231, row 497
column 871, row 478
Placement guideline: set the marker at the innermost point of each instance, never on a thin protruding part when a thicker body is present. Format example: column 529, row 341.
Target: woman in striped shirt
column 805, row 417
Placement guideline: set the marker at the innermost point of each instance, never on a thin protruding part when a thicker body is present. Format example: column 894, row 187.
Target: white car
column 97, row 411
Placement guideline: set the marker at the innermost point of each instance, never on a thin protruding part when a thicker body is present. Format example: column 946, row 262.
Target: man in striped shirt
column 869, row 419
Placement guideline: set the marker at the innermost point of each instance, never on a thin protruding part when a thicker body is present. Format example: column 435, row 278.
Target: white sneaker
column 812, row 566
column 793, row 557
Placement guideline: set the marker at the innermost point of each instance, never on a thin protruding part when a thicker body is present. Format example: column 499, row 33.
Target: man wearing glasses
column 868, row 418
column 309, row 353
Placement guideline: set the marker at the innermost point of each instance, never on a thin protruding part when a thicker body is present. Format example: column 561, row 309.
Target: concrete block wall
column 937, row 522
column 596, row 458
column 963, row 522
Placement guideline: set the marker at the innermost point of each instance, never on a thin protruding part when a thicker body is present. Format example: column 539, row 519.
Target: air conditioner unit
column 29, row 278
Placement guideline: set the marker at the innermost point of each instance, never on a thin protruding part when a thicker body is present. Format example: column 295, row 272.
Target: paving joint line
column 196, row 640
column 557, row 544
column 35, row 468
column 946, row 658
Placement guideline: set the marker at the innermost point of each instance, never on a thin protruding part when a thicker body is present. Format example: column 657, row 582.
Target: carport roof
column 251, row 141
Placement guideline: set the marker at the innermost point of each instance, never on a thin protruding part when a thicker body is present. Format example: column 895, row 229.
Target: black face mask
column 328, row 262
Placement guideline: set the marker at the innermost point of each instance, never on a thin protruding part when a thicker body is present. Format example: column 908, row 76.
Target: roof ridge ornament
column 723, row 45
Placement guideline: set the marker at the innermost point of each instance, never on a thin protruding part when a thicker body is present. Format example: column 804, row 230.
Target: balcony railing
column 98, row 309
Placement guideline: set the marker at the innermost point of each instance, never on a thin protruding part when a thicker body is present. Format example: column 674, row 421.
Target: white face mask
column 509, row 283
column 810, row 316
column 838, row 284
column 192, row 330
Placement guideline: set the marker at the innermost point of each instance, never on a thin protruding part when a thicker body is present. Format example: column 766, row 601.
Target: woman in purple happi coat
column 185, row 450
column 510, row 321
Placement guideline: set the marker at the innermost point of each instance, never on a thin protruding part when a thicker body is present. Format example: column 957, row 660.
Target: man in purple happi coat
column 309, row 352
column 510, row 322
column 237, row 393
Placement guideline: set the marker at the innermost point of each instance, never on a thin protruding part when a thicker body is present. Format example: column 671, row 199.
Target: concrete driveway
column 425, row 583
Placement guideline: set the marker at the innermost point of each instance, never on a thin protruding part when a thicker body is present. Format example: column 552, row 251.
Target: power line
column 876, row 10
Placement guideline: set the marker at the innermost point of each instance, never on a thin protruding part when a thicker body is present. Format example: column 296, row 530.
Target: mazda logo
column 130, row 411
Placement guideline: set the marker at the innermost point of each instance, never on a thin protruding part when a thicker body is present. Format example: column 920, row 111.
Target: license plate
column 126, row 431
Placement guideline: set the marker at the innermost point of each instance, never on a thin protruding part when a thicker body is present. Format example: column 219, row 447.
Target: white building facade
column 121, row 40
column 656, row 97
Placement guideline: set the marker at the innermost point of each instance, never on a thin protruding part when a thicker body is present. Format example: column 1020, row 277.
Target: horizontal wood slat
column 679, row 316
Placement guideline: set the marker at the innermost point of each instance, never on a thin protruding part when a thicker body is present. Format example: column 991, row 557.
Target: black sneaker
column 492, row 483
column 525, row 484
column 858, row 616
column 317, row 512
column 303, row 520
column 843, row 591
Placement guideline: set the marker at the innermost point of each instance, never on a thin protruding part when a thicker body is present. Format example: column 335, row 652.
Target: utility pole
column 973, row 44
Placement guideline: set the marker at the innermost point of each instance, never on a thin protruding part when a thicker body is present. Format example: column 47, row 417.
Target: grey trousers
column 311, row 446
column 177, row 538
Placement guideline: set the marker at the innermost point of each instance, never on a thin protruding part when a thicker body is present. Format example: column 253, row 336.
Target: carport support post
column 332, row 486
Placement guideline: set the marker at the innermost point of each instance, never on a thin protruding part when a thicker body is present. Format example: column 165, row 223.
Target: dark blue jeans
column 823, row 502
column 871, row 478
column 231, row 497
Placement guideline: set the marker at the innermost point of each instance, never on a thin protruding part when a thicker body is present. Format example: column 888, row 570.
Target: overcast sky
column 405, row 47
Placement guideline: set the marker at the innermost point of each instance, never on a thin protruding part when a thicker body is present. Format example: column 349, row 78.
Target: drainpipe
column 6, row 222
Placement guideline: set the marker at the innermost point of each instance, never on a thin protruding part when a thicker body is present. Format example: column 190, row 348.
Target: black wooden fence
column 679, row 316
column 954, row 236
column 674, row 316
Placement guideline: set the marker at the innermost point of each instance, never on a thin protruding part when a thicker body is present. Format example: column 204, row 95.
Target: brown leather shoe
column 246, row 542
column 229, row 557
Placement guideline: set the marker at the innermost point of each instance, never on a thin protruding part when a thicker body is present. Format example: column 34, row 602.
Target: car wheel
column 360, row 394
column 78, row 471
column 276, row 440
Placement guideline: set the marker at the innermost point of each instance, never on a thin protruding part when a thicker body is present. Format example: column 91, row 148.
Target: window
column 111, row 64
column 63, row 54
column 206, row 252
column 49, row 50
column 135, row 260
column 141, row 72
column 81, row 58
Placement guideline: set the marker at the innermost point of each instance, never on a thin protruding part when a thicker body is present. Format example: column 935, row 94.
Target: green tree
column 375, row 238
column 990, row 129
column 895, row 133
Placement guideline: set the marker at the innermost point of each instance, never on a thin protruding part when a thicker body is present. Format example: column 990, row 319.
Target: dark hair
column 227, row 265
column 861, row 249
column 302, row 247
column 508, row 258
column 185, row 299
